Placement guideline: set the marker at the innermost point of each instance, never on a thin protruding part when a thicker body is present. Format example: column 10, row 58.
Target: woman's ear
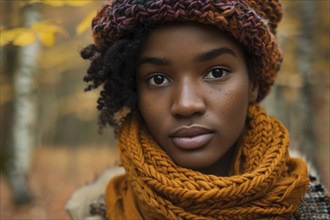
column 253, row 91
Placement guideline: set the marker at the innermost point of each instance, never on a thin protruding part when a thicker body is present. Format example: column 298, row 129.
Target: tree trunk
column 23, row 135
column 305, row 68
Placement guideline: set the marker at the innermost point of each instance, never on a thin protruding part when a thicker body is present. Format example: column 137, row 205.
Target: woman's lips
column 191, row 138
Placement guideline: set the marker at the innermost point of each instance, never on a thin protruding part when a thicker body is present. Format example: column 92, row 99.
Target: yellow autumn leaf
column 54, row 3
column 47, row 26
column 27, row 37
column 8, row 36
column 3, row 41
column 46, row 32
column 47, row 38
column 86, row 23
column 59, row 3
column 41, row 25
column 78, row 3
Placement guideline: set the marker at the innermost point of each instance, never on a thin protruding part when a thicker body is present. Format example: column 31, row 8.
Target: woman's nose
column 187, row 101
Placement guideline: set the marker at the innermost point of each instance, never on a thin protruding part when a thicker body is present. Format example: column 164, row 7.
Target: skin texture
column 193, row 94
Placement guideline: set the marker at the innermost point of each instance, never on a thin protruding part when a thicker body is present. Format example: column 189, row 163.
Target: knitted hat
column 252, row 22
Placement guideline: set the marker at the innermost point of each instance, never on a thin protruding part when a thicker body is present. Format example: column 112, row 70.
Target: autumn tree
column 32, row 34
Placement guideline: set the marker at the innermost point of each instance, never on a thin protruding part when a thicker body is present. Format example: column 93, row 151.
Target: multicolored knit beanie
column 251, row 22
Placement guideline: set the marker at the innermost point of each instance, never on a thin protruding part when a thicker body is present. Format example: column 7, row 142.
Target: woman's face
column 193, row 92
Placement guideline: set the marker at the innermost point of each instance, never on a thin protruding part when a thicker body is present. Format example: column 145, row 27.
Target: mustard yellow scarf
column 267, row 183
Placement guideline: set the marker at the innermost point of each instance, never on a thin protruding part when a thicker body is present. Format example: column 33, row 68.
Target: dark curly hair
column 113, row 66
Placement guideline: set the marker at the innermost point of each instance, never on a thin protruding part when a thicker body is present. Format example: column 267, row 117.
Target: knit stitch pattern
column 315, row 206
column 251, row 22
column 266, row 182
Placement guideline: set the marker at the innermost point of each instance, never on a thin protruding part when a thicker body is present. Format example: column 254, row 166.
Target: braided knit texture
column 267, row 183
column 251, row 22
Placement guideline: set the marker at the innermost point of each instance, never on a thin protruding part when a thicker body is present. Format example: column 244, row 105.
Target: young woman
column 181, row 85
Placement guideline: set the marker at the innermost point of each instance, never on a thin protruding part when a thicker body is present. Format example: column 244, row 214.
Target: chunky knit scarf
column 266, row 183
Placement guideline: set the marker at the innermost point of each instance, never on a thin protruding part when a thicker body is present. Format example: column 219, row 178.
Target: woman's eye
column 158, row 80
column 216, row 73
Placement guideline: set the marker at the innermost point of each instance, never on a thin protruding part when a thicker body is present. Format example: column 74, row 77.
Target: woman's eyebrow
column 202, row 57
column 209, row 55
column 153, row 60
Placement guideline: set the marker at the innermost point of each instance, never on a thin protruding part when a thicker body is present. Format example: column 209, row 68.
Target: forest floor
column 56, row 172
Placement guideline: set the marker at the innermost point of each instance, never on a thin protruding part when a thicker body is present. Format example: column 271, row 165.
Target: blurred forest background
column 48, row 132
